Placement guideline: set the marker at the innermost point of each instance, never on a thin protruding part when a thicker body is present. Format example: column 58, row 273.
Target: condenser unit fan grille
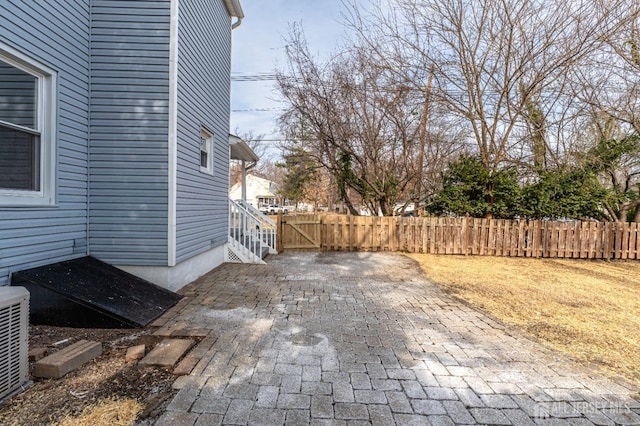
column 14, row 340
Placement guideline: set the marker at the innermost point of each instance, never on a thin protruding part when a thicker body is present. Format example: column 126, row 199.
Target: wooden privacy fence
column 466, row 236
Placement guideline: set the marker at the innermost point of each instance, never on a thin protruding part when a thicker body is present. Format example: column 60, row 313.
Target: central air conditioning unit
column 14, row 339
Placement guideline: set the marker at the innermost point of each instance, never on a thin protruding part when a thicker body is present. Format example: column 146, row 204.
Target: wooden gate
column 299, row 233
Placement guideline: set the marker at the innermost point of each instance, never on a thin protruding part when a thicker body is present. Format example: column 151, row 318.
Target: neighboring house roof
column 256, row 187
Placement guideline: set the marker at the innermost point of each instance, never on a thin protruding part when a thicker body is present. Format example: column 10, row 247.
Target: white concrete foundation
column 176, row 277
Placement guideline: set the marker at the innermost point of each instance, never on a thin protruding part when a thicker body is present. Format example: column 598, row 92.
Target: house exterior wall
column 203, row 98
column 136, row 82
column 257, row 188
column 59, row 39
column 128, row 205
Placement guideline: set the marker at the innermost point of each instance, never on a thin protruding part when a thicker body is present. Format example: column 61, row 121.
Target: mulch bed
column 47, row 401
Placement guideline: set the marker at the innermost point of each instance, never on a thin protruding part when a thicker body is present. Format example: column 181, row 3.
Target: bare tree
column 609, row 81
column 362, row 124
column 608, row 84
column 352, row 121
column 494, row 60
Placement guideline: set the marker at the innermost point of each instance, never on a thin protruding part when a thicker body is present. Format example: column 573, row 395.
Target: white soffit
column 239, row 150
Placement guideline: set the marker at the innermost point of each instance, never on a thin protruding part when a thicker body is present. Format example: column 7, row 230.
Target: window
column 27, row 166
column 206, row 151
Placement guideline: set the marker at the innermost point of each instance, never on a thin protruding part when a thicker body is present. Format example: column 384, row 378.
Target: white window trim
column 47, row 102
column 209, row 168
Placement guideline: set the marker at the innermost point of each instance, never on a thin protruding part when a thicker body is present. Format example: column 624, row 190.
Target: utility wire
column 454, row 92
column 254, row 77
column 259, row 110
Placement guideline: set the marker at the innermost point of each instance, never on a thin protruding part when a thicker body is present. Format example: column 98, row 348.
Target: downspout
column 235, row 11
column 172, row 143
column 238, row 14
column 89, row 129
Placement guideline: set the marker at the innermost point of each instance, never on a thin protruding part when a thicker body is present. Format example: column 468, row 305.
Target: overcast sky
column 258, row 48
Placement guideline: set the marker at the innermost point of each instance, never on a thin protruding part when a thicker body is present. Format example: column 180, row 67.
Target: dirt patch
column 107, row 378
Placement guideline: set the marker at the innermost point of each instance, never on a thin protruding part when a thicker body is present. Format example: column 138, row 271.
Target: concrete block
column 135, row 353
column 68, row 359
column 36, row 354
column 167, row 353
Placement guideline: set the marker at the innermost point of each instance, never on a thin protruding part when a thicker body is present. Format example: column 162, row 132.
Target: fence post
column 351, row 239
column 465, row 235
column 608, row 231
column 321, row 231
column 279, row 233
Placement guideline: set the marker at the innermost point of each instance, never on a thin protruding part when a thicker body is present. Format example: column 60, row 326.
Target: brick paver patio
column 365, row 338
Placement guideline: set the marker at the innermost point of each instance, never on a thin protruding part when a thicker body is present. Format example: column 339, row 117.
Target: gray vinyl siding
column 112, row 60
column 204, row 38
column 56, row 35
column 129, row 131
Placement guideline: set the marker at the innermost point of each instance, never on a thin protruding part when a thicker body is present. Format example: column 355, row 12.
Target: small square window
column 27, row 130
column 206, row 151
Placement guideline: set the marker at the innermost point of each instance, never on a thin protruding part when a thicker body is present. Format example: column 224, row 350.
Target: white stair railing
column 250, row 232
column 269, row 227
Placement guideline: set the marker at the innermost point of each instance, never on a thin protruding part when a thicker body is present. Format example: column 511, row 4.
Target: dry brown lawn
column 106, row 412
column 587, row 309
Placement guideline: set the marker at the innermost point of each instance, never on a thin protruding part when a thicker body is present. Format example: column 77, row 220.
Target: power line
column 330, row 84
column 254, row 77
column 259, row 110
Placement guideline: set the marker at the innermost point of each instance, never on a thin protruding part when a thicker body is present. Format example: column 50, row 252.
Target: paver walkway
column 365, row 338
